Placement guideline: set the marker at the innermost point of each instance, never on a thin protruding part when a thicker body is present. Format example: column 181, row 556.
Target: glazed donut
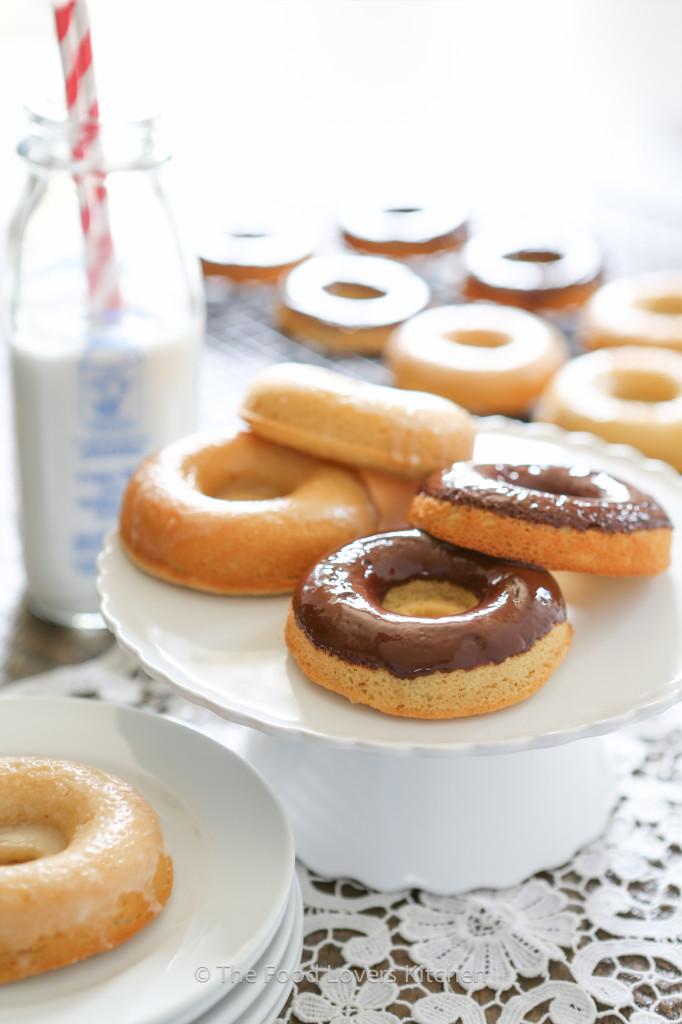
column 421, row 629
column 235, row 514
column 391, row 496
column 83, row 864
column 547, row 516
column 487, row 358
column 349, row 303
column 367, row 426
column 628, row 395
column 535, row 273
column 255, row 249
column 403, row 230
column 645, row 309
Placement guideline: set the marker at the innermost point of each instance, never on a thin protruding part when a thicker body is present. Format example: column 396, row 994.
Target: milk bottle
column 96, row 385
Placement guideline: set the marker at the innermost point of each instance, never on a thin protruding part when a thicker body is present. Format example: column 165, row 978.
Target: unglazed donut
column 368, row 426
column 627, row 395
column 349, row 303
column 421, row 629
column 256, row 249
column 547, row 516
column 645, row 309
column 487, row 358
column 536, row 273
column 402, row 230
column 235, row 514
column 83, row 864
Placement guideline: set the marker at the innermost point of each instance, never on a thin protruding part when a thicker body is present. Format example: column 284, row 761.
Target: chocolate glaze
column 552, row 495
column 339, row 606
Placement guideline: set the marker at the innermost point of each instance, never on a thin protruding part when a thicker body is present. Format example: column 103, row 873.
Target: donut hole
column 247, row 483
column 239, row 481
column 353, row 290
column 666, row 305
column 643, row 386
column 23, row 842
column 533, row 256
column 478, row 338
column 574, row 483
column 429, row 599
column 251, row 490
column 249, row 234
column 404, row 209
column 572, row 489
column 246, row 469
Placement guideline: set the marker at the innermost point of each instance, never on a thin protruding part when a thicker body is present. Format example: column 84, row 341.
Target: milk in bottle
column 96, row 386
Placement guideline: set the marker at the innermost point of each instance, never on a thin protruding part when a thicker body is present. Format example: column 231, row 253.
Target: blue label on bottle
column 111, row 387
column 111, row 390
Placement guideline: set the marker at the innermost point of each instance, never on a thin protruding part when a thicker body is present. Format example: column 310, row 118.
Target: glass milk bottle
column 103, row 313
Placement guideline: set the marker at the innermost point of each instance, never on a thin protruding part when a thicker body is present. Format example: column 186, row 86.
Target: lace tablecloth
column 596, row 939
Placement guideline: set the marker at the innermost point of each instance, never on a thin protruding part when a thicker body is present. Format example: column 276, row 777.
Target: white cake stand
column 445, row 806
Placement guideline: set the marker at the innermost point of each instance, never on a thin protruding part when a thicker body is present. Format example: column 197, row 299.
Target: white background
column 518, row 102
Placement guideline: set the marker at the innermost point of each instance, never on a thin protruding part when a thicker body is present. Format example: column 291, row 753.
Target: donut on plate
column 255, row 249
column 421, row 629
column 83, row 864
column 554, row 517
column 487, row 358
column 404, row 229
column 644, row 309
column 368, row 426
column 344, row 302
column 235, row 514
column 391, row 437
column 540, row 272
column 627, row 395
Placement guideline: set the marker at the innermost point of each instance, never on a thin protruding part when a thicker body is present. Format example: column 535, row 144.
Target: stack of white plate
column 226, row 946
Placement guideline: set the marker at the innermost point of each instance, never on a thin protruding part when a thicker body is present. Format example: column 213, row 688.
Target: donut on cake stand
column 442, row 805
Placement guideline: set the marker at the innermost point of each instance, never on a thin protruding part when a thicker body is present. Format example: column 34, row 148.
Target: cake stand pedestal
column 441, row 824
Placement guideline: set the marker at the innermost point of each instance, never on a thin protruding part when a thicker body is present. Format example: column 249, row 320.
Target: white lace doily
column 596, row 940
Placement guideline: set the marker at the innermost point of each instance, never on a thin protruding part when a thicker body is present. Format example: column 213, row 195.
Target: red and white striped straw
column 73, row 34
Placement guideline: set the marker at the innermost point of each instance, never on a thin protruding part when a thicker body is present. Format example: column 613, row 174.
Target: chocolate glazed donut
column 554, row 517
column 472, row 634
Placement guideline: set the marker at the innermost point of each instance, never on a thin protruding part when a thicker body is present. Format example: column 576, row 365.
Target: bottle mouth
column 59, row 140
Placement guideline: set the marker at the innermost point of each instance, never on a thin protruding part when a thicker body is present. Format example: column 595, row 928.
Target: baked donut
column 235, row 514
column 645, row 309
column 487, row 358
column 255, row 249
column 543, row 273
column 367, row 426
column 83, row 864
column 422, row 629
column 391, row 496
column 349, row 303
column 627, row 395
column 403, row 230
column 548, row 516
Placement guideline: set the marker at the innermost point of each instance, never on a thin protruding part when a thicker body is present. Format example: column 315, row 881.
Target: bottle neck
column 56, row 142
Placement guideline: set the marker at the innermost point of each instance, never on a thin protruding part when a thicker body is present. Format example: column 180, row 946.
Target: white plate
column 269, row 1004
column 229, row 653
column 233, row 860
column 272, row 976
